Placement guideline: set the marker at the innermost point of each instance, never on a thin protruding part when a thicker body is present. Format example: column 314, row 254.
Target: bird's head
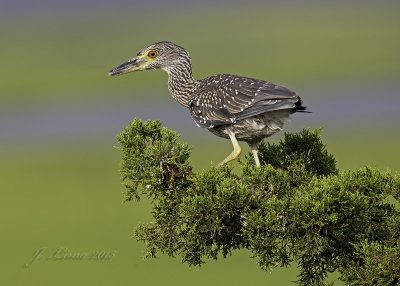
column 161, row 55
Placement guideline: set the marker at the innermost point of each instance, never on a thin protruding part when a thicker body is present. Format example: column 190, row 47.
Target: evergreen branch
column 296, row 207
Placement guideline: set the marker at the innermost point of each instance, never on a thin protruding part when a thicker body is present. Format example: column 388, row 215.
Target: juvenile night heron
column 234, row 107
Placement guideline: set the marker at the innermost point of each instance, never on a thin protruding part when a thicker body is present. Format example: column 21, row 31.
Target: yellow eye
column 152, row 54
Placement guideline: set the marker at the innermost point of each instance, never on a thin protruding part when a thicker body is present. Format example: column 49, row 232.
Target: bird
column 229, row 106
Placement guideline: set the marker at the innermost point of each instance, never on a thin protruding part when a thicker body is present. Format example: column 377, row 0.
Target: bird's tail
column 300, row 108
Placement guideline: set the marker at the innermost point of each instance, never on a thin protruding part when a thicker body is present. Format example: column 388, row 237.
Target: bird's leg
column 254, row 150
column 236, row 150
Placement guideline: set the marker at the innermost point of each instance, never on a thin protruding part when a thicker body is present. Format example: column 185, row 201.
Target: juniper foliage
column 297, row 207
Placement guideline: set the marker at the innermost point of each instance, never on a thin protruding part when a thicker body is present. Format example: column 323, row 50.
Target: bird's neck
column 181, row 83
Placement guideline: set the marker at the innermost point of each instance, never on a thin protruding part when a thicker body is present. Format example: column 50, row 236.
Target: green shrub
column 296, row 207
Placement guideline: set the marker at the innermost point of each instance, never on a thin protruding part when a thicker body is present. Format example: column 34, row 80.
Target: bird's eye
column 152, row 54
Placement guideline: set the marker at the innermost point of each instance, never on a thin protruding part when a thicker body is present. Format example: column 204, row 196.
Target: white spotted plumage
column 229, row 106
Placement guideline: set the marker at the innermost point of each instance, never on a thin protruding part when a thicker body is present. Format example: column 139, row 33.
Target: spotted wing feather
column 224, row 99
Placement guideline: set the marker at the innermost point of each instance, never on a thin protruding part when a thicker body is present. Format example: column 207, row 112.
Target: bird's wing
column 223, row 99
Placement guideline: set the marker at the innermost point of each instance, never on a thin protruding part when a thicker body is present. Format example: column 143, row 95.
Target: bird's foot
column 234, row 155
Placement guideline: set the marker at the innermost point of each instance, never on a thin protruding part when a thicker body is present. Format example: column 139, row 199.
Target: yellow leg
column 254, row 150
column 236, row 150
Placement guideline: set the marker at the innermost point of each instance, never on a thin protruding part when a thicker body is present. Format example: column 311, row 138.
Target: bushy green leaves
column 295, row 207
column 377, row 265
column 305, row 146
column 152, row 158
column 213, row 213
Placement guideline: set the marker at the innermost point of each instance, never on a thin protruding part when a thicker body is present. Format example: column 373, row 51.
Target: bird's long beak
column 134, row 64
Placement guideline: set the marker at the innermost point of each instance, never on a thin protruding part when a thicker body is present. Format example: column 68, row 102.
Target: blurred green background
column 59, row 114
